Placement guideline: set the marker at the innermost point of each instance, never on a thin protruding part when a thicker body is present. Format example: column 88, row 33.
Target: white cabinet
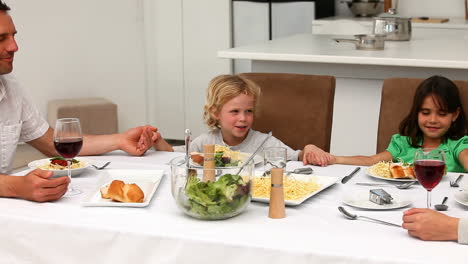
column 183, row 37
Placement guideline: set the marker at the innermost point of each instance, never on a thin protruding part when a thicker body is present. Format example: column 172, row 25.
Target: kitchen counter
column 359, row 75
column 453, row 23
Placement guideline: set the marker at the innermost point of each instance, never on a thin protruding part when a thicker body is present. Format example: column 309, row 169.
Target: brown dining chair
column 397, row 98
column 297, row 108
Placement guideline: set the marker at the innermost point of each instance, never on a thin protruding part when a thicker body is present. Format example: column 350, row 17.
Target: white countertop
column 453, row 23
column 419, row 52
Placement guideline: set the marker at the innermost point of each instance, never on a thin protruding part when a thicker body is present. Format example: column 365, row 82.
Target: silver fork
column 455, row 183
column 102, row 167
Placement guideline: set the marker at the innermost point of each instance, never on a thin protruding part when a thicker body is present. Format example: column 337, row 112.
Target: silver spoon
column 405, row 185
column 455, row 183
column 354, row 217
column 442, row 206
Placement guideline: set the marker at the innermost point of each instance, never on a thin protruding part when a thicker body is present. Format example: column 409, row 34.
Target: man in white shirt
column 21, row 121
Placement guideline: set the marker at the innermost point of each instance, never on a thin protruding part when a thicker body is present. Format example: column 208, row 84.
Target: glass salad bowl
column 223, row 198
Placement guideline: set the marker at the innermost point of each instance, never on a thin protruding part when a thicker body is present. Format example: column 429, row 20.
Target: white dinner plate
column 257, row 159
column 460, row 198
column 323, row 181
column 387, row 179
column 58, row 173
column 360, row 199
column 147, row 180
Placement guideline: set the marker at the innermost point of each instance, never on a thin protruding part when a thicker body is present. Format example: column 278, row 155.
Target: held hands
column 427, row 224
column 136, row 141
column 316, row 156
column 36, row 186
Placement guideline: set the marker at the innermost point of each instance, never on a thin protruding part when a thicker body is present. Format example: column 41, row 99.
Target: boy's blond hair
column 224, row 88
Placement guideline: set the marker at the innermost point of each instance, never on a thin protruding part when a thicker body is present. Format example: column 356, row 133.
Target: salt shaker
column 208, row 163
column 277, row 207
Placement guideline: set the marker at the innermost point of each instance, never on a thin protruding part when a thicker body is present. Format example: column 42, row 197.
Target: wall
column 434, row 8
column 83, row 48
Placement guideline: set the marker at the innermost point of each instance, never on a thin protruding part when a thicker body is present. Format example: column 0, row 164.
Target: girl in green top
column 436, row 120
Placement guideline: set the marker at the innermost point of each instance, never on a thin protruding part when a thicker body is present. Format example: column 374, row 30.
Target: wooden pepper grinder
column 387, row 5
column 277, row 207
column 208, row 163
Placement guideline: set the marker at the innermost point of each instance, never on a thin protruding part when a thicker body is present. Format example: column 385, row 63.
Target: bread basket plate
column 58, row 173
column 147, row 180
column 385, row 178
column 323, row 181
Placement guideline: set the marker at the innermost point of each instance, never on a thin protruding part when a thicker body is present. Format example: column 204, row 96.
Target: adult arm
column 427, row 224
column 136, row 141
column 34, row 186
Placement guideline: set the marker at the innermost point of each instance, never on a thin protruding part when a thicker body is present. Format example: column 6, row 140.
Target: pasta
column 227, row 152
column 50, row 166
column 382, row 169
column 293, row 189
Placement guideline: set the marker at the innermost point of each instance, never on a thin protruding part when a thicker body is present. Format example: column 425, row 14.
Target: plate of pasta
column 297, row 187
column 58, row 165
column 224, row 157
column 390, row 171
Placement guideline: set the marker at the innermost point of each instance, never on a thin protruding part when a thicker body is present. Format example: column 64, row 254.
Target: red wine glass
column 429, row 167
column 68, row 141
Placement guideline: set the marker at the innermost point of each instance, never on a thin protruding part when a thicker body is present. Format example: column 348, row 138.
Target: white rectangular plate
column 147, row 180
column 324, row 181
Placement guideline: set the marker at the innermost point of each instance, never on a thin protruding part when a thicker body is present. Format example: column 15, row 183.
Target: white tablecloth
column 314, row 232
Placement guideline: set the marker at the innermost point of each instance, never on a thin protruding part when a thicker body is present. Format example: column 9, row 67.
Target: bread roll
column 120, row 192
column 397, row 172
column 409, row 172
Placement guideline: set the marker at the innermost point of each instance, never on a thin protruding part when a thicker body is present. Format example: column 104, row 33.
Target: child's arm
column 463, row 158
column 315, row 156
column 364, row 160
column 161, row 144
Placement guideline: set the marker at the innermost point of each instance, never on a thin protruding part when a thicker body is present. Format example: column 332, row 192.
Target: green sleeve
column 396, row 147
column 460, row 145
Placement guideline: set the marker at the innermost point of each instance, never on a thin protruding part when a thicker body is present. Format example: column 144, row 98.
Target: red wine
column 69, row 148
column 429, row 172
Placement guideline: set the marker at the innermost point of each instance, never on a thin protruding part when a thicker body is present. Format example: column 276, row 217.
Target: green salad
column 215, row 200
column 221, row 161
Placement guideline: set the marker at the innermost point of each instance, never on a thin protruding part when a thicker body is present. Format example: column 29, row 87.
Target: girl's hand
column 316, row 156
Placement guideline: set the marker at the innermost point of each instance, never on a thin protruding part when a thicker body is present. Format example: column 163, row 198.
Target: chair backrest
column 297, row 108
column 397, row 98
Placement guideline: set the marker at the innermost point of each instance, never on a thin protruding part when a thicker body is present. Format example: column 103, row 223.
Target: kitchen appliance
column 394, row 27
column 366, row 42
column 365, row 8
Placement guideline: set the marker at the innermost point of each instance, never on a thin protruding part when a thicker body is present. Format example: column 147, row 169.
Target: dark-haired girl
column 436, row 120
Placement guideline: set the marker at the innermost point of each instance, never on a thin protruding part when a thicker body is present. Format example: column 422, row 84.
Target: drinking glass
column 429, row 167
column 68, row 141
column 274, row 157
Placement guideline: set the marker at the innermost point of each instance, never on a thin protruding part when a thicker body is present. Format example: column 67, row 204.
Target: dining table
column 68, row 231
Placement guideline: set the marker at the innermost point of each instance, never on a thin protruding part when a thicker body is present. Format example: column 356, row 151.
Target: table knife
column 346, row 178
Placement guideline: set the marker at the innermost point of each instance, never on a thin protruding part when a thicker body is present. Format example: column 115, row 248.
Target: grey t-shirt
column 249, row 145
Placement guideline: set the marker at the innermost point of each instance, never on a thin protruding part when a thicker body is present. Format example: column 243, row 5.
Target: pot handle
column 355, row 41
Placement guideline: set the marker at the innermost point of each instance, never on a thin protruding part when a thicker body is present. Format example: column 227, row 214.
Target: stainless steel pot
column 366, row 42
column 365, row 8
column 396, row 28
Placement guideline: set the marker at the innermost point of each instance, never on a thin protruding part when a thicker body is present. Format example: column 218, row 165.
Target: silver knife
column 346, row 178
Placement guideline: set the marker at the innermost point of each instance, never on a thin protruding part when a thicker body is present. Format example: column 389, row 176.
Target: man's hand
column 428, row 224
column 37, row 186
column 136, row 141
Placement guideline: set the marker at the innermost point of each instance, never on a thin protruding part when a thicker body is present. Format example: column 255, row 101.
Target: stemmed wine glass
column 429, row 167
column 68, row 141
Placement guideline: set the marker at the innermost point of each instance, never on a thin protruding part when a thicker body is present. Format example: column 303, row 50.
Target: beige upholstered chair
column 97, row 116
column 297, row 108
column 397, row 98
